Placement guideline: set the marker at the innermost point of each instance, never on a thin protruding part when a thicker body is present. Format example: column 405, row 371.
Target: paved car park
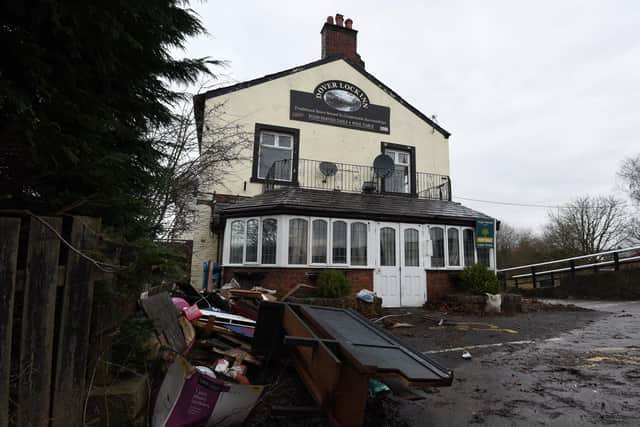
column 579, row 367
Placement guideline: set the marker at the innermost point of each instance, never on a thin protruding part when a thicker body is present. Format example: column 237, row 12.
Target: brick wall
column 440, row 284
column 338, row 40
column 284, row 279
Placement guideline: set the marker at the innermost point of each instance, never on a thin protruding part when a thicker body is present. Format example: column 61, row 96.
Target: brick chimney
column 340, row 39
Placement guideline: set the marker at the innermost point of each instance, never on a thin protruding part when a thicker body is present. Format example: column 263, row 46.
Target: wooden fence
column 46, row 300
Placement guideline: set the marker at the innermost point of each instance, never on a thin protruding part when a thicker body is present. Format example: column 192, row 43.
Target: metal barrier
column 536, row 273
column 331, row 176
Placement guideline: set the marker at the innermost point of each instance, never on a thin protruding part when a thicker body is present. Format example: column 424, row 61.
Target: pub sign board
column 339, row 103
column 485, row 236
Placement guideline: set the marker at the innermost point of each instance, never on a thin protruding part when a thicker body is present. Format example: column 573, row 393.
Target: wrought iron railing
column 331, row 176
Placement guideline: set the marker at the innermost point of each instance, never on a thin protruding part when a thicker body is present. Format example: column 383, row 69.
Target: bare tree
column 190, row 165
column 630, row 174
column 519, row 246
column 588, row 225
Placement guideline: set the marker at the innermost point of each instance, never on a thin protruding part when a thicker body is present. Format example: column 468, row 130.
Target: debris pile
column 225, row 352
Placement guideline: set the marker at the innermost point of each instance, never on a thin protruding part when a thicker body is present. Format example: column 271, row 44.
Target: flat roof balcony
column 332, row 176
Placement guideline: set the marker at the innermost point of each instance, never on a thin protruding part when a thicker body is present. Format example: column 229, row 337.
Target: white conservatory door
column 413, row 277
column 386, row 281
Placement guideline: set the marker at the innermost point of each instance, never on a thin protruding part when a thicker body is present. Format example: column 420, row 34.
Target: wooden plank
column 164, row 315
column 38, row 322
column 75, row 324
column 10, row 232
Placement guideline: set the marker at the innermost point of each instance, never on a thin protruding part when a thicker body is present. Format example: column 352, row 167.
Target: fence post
column 572, row 264
column 75, row 323
column 38, row 322
column 533, row 277
column 552, row 280
column 10, row 232
column 616, row 261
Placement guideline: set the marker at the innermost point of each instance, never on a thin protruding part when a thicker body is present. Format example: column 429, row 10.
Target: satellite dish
column 328, row 169
column 383, row 166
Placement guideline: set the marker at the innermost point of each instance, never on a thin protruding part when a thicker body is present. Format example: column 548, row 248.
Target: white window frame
column 368, row 247
column 276, row 145
column 475, row 254
column 258, row 243
column 286, row 258
column 278, row 232
column 444, row 245
column 394, row 154
column 448, row 265
column 228, row 235
column 327, row 248
column 347, row 263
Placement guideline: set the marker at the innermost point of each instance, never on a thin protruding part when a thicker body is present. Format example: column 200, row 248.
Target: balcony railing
column 331, row 176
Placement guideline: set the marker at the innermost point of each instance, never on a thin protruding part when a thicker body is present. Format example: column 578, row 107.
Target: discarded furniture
column 336, row 351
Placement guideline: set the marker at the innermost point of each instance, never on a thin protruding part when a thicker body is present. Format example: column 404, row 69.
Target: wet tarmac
column 561, row 368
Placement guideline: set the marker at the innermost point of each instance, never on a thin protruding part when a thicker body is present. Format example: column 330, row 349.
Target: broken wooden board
column 164, row 316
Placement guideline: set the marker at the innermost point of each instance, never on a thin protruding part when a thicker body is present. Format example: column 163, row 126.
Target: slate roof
column 380, row 207
column 199, row 99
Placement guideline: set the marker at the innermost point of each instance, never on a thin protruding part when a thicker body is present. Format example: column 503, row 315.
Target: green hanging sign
column 485, row 235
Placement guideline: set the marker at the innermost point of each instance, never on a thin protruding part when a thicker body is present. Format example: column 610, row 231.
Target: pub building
column 343, row 174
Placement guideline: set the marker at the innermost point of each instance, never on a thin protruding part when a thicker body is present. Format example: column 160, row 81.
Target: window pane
column 285, row 141
column 454, row 246
column 237, row 242
column 319, row 241
column 267, row 138
column 467, row 237
column 387, row 246
column 398, row 181
column 358, row 243
column 339, row 242
column 483, row 257
column 411, row 249
column 251, row 254
column 437, row 242
column 269, row 239
column 269, row 155
column 298, row 231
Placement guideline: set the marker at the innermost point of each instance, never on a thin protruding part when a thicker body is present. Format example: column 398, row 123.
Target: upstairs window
column 276, row 150
column 400, row 179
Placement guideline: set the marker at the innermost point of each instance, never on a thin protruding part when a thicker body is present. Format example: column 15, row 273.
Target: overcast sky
column 542, row 98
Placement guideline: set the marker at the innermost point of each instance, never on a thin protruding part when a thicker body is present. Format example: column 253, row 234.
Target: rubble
column 225, row 350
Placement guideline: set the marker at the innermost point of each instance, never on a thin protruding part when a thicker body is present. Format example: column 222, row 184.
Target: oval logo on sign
column 342, row 100
column 341, row 96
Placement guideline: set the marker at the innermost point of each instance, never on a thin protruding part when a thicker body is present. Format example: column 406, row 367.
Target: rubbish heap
column 219, row 346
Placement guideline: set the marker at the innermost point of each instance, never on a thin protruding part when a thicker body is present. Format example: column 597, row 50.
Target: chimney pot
column 341, row 41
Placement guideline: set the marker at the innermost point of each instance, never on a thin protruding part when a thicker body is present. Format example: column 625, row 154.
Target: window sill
column 276, row 182
column 308, row 266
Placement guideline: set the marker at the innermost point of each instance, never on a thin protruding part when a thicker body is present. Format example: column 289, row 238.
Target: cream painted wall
column 268, row 103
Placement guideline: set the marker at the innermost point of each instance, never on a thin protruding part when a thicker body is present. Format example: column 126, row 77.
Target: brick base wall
column 284, row 279
column 440, row 283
